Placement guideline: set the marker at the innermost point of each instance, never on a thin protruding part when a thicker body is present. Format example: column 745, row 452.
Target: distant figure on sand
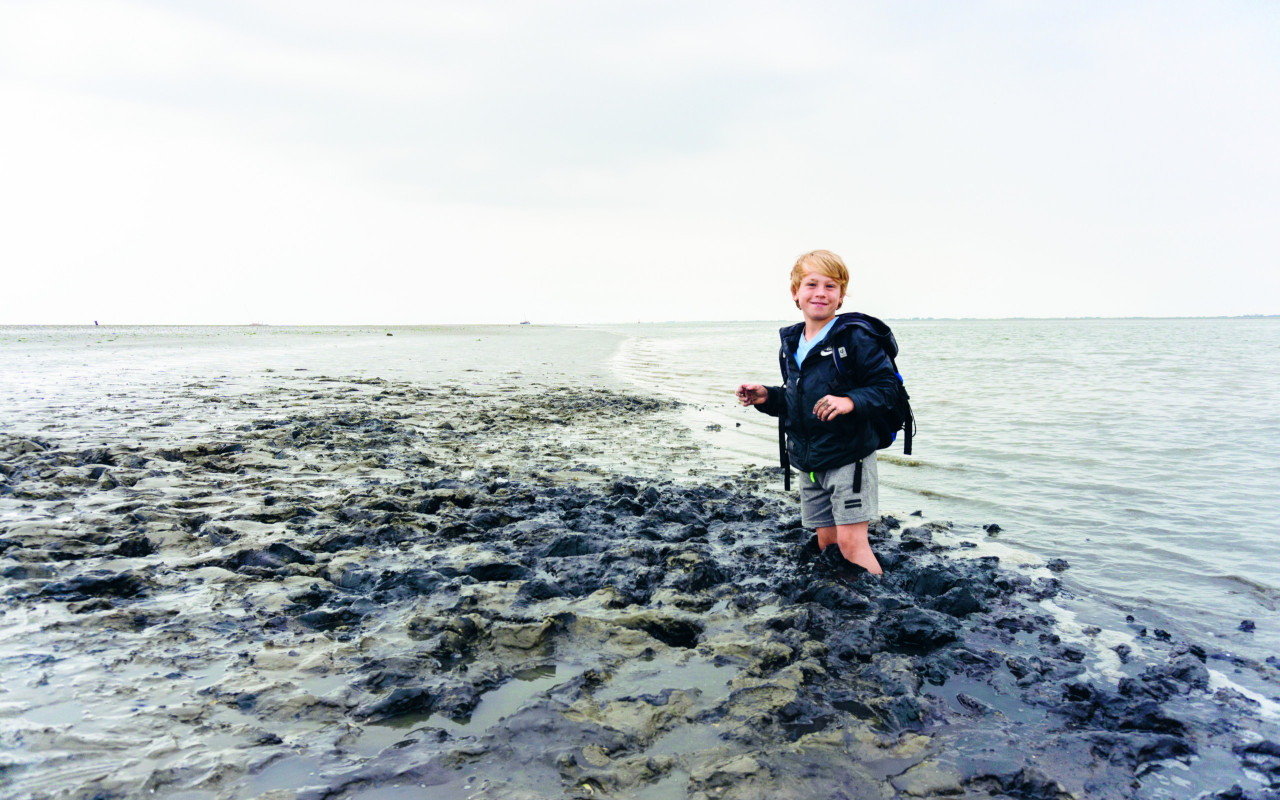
column 835, row 376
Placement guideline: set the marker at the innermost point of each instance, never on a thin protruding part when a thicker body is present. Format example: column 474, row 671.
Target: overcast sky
column 310, row 161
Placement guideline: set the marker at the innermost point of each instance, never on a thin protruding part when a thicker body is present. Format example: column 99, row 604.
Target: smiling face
column 819, row 281
column 818, row 296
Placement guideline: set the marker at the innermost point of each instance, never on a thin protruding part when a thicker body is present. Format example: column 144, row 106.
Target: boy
column 825, row 410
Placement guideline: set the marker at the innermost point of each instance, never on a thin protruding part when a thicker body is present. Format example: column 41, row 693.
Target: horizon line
column 524, row 323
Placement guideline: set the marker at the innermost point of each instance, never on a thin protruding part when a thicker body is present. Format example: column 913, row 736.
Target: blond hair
column 823, row 262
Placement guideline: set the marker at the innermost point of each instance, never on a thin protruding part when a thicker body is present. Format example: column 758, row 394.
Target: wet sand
column 355, row 588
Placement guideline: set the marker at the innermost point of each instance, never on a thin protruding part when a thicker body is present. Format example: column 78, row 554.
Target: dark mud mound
column 407, row 592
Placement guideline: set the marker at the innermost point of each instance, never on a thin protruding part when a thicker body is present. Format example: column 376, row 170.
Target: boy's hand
column 832, row 406
column 752, row 394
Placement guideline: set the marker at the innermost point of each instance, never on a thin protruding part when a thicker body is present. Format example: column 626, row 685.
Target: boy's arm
column 873, row 375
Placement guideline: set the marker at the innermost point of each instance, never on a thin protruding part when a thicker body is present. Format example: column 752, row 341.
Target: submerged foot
column 833, row 562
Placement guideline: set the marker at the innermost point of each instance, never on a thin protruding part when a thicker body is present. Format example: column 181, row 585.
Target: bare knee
column 854, row 535
column 856, row 547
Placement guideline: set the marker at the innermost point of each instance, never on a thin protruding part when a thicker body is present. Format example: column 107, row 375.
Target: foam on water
column 1268, row 707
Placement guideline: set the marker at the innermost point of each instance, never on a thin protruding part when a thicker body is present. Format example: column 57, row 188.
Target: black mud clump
column 97, row 584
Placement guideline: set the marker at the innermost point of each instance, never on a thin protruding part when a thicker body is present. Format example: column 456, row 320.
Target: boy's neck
column 813, row 327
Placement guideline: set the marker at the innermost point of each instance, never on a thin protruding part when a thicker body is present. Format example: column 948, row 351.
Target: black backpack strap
column 908, row 428
column 783, row 457
column 847, row 333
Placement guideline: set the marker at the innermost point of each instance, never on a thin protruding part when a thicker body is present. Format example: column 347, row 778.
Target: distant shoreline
column 411, row 325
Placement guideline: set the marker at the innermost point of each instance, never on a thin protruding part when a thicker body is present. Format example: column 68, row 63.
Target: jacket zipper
column 801, row 418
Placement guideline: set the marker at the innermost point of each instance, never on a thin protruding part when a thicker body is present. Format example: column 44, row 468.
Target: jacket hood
column 865, row 321
column 872, row 325
column 793, row 331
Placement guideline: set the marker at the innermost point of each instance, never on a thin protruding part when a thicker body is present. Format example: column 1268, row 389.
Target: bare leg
column 853, row 543
column 826, row 536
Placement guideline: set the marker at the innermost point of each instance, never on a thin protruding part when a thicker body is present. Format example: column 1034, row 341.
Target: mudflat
column 357, row 588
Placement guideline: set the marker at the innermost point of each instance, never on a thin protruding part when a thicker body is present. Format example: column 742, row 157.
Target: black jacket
column 869, row 380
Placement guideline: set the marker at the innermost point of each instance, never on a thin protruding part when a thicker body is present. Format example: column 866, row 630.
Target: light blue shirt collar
column 803, row 347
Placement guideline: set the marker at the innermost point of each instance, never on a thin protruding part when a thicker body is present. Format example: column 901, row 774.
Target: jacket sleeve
column 776, row 405
column 874, row 380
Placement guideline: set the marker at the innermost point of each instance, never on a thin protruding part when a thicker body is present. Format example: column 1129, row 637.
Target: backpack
column 897, row 417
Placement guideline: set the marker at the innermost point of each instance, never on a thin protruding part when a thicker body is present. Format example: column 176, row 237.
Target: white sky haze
column 321, row 162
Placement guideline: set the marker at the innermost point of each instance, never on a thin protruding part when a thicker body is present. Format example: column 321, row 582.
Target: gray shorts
column 829, row 498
